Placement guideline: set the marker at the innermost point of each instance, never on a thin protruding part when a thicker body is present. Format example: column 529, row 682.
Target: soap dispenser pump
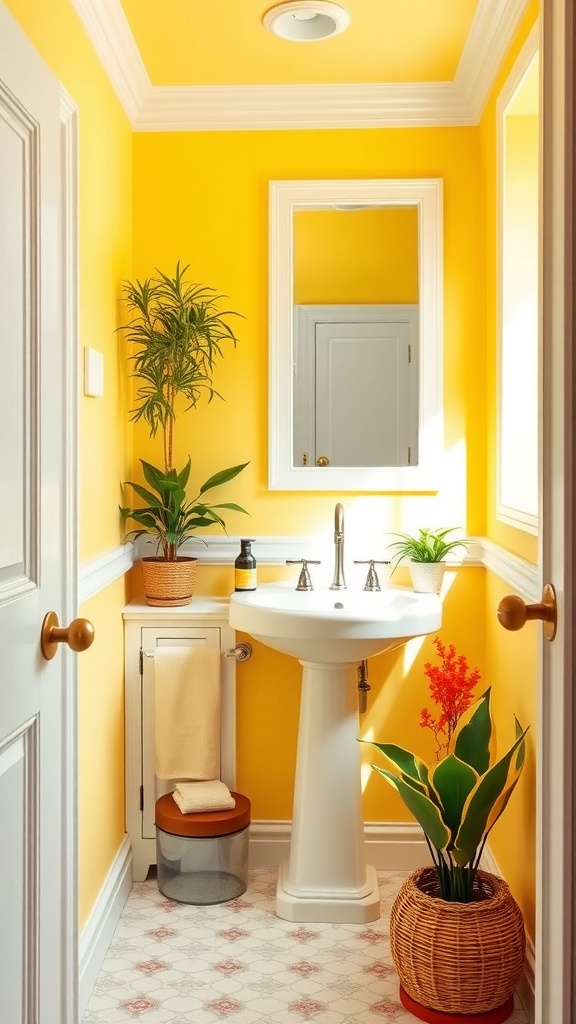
column 245, row 567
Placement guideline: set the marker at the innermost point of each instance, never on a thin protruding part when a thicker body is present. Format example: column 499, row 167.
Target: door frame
column 555, row 914
column 70, row 515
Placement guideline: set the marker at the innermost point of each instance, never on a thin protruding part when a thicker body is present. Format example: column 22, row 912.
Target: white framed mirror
column 354, row 362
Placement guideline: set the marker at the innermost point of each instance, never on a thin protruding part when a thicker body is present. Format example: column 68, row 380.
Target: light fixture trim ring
column 323, row 20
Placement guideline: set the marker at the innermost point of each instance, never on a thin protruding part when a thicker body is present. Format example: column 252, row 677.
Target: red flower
column 451, row 688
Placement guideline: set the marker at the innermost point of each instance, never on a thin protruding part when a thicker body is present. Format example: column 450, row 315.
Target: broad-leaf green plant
column 458, row 800
column 426, row 546
column 168, row 515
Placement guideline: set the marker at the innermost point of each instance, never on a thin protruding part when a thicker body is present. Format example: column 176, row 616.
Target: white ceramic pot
column 427, row 576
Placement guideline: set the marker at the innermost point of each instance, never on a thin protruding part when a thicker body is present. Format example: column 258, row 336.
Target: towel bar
column 241, row 652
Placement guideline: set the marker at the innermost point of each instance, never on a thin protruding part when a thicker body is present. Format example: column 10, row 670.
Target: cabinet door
column 152, row 638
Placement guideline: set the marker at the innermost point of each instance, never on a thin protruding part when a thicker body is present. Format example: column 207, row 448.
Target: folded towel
column 187, row 712
column 203, row 796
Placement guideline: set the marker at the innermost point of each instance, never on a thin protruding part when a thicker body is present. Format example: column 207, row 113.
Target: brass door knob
column 513, row 612
column 322, row 460
column 78, row 635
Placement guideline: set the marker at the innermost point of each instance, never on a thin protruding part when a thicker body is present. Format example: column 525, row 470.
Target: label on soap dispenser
column 244, row 579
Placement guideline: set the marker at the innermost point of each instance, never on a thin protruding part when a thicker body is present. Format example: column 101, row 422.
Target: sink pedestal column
column 326, row 877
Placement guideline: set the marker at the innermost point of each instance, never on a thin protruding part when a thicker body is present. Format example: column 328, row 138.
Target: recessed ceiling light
column 306, row 21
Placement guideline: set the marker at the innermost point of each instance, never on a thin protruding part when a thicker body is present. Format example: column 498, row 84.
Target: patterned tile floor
column 171, row 963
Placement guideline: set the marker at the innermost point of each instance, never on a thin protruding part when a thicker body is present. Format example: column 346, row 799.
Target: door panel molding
column 19, row 418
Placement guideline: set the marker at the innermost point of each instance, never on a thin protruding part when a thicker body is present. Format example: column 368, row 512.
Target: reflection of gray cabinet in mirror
column 356, row 385
column 409, row 459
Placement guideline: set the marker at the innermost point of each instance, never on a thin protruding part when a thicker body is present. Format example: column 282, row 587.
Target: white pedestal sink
column 330, row 632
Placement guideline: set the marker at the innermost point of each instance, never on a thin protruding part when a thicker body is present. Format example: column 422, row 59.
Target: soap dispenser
column 245, row 567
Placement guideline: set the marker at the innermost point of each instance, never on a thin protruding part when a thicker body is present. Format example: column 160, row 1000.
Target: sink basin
column 326, row 625
column 330, row 631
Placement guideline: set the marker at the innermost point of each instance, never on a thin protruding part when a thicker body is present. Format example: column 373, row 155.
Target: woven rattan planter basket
column 168, row 584
column 462, row 958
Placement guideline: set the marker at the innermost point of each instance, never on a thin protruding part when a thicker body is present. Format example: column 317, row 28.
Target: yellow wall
column 221, row 230
column 212, row 212
column 105, row 223
column 356, row 256
column 511, row 658
column 101, row 744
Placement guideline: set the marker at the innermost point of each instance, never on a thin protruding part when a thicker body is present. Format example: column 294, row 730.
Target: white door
column 366, row 394
column 37, row 849
column 555, row 918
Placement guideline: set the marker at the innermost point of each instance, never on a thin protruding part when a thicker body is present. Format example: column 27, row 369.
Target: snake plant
column 458, row 800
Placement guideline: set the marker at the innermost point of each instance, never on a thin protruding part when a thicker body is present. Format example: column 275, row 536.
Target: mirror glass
column 355, row 335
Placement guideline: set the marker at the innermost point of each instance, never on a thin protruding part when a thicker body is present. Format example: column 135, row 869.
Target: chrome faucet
column 339, row 583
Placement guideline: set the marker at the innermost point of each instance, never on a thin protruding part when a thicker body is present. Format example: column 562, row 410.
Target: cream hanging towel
column 187, row 712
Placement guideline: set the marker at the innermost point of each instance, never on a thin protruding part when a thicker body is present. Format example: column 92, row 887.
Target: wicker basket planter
column 168, row 584
column 457, row 958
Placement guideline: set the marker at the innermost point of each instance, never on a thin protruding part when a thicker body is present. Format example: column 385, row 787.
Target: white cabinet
column 205, row 623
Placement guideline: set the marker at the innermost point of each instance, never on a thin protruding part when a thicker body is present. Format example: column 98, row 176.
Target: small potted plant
column 457, row 800
column 178, row 332
column 426, row 552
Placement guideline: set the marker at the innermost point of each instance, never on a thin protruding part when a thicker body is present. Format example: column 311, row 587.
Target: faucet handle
column 372, row 582
column 304, row 581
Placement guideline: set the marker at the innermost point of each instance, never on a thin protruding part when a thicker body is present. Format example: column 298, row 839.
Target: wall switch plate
column 93, row 373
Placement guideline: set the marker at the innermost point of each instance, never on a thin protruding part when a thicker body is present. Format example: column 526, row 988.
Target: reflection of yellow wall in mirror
column 356, row 256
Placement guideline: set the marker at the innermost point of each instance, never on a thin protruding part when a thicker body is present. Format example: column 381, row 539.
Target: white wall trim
column 97, row 574
column 271, row 107
column 523, row 576
column 99, row 929
column 526, row 988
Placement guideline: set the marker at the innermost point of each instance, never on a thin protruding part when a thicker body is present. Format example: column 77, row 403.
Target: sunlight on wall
column 518, row 383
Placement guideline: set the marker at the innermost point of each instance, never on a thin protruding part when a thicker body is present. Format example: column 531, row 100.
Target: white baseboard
column 394, row 846
column 98, row 931
column 526, row 988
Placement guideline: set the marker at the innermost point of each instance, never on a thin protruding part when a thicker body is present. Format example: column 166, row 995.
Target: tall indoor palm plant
column 178, row 332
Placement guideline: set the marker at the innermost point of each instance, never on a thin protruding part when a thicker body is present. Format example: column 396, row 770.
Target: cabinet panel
column 152, row 638
column 143, row 635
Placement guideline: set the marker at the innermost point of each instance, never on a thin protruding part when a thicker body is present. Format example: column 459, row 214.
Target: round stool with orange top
column 202, row 857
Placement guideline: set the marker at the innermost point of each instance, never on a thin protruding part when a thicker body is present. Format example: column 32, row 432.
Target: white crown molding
column 109, row 32
column 272, row 107
column 277, row 107
column 492, row 30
